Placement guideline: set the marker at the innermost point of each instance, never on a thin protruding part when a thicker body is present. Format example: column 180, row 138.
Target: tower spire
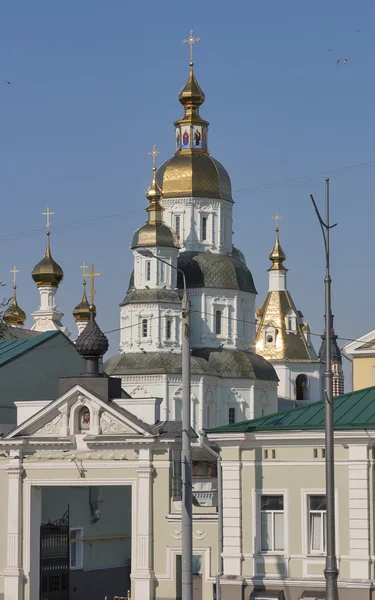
column 14, row 315
column 154, row 208
column 277, row 256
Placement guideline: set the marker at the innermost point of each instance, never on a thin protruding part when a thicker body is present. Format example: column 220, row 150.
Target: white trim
column 258, row 553
column 79, row 548
column 173, row 552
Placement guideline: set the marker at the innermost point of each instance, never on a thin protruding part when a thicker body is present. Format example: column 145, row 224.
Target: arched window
column 148, row 270
column 177, row 226
column 144, row 327
column 231, row 415
column 84, row 419
column 218, row 322
column 204, row 228
column 301, row 387
column 168, row 329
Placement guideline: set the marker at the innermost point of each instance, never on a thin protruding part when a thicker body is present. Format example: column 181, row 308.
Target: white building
column 229, row 381
column 283, row 338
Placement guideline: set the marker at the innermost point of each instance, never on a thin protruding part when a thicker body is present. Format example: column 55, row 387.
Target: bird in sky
column 8, row 82
column 357, row 30
column 346, row 59
column 337, row 62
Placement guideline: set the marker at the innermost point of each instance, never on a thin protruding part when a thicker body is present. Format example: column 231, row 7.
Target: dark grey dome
column 205, row 269
column 134, row 296
column 147, row 363
column 92, row 342
column 236, row 253
column 228, row 364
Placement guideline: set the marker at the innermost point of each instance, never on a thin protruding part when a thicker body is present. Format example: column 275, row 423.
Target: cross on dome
column 84, row 267
column 191, row 40
column 14, row 271
column 154, row 154
column 277, row 218
column 92, row 275
column 48, row 213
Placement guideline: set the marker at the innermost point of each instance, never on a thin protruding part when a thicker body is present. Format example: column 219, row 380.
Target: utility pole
column 331, row 571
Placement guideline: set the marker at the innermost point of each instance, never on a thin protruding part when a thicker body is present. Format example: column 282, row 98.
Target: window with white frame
column 177, row 225
column 269, row 336
column 204, row 229
column 272, row 523
column 291, row 321
column 148, row 270
column 76, row 548
column 144, row 328
column 317, row 524
column 231, row 415
column 168, row 329
column 218, row 322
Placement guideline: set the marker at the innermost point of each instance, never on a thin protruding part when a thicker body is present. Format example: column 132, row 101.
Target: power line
column 342, row 170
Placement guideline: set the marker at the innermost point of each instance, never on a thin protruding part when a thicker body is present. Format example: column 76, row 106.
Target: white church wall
column 288, row 373
column 145, row 408
column 151, row 273
column 215, row 235
column 144, row 327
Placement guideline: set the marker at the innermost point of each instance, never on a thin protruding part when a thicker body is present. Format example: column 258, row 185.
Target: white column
column 165, row 404
column 35, row 523
column 232, row 551
column 252, row 401
column 359, row 512
column 202, row 408
column 142, row 573
column 13, row 572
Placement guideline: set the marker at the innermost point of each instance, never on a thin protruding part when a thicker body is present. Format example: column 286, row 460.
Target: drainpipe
column 220, row 540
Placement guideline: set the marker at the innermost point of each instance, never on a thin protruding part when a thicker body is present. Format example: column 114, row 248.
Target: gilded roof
column 81, row 312
column 14, row 315
column 194, row 175
column 219, row 363
column 47, row 272
column 134, row 296
column 154, row 235
column 288, row 345
column 205, row 269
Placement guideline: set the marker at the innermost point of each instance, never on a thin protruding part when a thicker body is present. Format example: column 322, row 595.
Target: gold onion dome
column 14, row 315
column 154, row 232
column 81, row 312
column 277, row 256
column 192, row 172
column 47, row 272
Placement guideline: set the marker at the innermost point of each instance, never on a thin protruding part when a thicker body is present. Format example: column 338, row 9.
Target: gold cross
column 84, row 267
column 14, row 271
column 191, row 40
column 154, row 154
column 92, row 274
column 277, row 218
column 48, row 213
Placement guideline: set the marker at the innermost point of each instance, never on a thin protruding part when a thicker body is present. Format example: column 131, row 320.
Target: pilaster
column 142, row 573
column 359, row 512
column 13, row 572
column 232, row 522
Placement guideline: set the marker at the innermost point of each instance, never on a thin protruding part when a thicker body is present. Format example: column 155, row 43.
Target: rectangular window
column 272, row 523
column 204, row 228
column 161, row 271
column 232, row 415
column 177, row 226
column 144, row 328
column 218, row 322
column 148, row 270
column 168, row 329
column 176, row 475
column 317, row 524
column 76, row 548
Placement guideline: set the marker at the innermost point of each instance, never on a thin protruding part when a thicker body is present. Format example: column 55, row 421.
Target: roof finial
column 14, row 271
column 92, row 275
column 47, row 214
column 277, row 255
column 84, row 267
column 154, row 154
column 277, row 218
column 191, row 40
column 14, row 315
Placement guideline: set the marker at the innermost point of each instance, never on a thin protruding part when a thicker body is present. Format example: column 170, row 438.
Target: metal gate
column 54, row 560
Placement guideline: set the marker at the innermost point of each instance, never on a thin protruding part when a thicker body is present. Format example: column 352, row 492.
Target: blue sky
column 95, row 84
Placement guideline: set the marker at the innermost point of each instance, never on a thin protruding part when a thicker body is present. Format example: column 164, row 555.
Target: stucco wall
column 363, row 372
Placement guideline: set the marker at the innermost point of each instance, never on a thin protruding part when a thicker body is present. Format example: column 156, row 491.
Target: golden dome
column 81, row 312
column 191, row 174
column 154, row 232
column 277, row 255
column 14, row 315
column 47, row 272
column 191, row 93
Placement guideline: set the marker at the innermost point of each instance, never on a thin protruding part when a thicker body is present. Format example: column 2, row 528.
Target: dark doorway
column 301, row 387
column 54, row 559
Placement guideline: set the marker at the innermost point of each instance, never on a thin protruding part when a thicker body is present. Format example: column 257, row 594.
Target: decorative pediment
column 79, row 412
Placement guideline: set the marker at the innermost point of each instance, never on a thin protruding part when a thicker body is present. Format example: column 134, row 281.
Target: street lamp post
column 331, row 571
column 186, row 459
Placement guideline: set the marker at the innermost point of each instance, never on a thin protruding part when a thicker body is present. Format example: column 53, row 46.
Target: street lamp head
column 146, row 253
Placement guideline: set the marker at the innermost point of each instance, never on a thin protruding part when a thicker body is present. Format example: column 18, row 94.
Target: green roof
column 355, row 410
column 12, row 348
